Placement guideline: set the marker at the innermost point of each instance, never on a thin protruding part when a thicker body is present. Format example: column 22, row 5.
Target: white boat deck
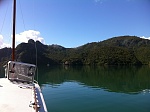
column 17, row 97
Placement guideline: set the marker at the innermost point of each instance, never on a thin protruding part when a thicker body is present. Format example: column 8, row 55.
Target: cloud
column 30, row 34
column 2, row 44
column 1, row 38
column 23, row 37
column 145, row 37
column 129, row 0
column 98, row 1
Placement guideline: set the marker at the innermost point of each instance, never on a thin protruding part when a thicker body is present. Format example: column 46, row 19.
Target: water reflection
column 131, row 80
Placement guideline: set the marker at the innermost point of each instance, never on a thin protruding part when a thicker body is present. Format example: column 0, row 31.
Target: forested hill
column 123, row 50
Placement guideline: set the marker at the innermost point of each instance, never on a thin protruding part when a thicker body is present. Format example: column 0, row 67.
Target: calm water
column 96, row 89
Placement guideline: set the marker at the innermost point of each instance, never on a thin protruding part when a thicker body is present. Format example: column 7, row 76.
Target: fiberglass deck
column 15, row 96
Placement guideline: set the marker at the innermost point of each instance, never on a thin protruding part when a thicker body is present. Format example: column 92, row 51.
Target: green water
column 96, row 89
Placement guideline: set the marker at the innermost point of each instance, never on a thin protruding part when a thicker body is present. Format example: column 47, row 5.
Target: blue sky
column 72, row 23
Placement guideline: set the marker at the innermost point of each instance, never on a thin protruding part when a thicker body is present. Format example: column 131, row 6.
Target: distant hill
column 123, row 50
column 126, row 41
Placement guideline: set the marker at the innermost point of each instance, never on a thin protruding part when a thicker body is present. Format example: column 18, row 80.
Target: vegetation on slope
column 123, row 50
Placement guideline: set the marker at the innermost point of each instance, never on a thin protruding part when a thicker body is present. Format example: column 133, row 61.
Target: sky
column 73, row 23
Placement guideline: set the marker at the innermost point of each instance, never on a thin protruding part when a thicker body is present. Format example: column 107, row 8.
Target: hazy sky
column 72, row 23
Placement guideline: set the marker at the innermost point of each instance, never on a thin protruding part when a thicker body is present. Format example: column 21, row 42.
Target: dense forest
column 123, row 50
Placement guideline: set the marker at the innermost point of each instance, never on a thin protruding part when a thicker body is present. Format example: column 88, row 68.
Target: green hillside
column 123, row 50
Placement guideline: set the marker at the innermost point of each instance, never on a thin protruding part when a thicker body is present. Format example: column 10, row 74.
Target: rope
column 3, row 25
column 34, row 28
column 26, row 34
column 4, row 19
column 34, row 13
column 22, row 15
column 36, row 60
